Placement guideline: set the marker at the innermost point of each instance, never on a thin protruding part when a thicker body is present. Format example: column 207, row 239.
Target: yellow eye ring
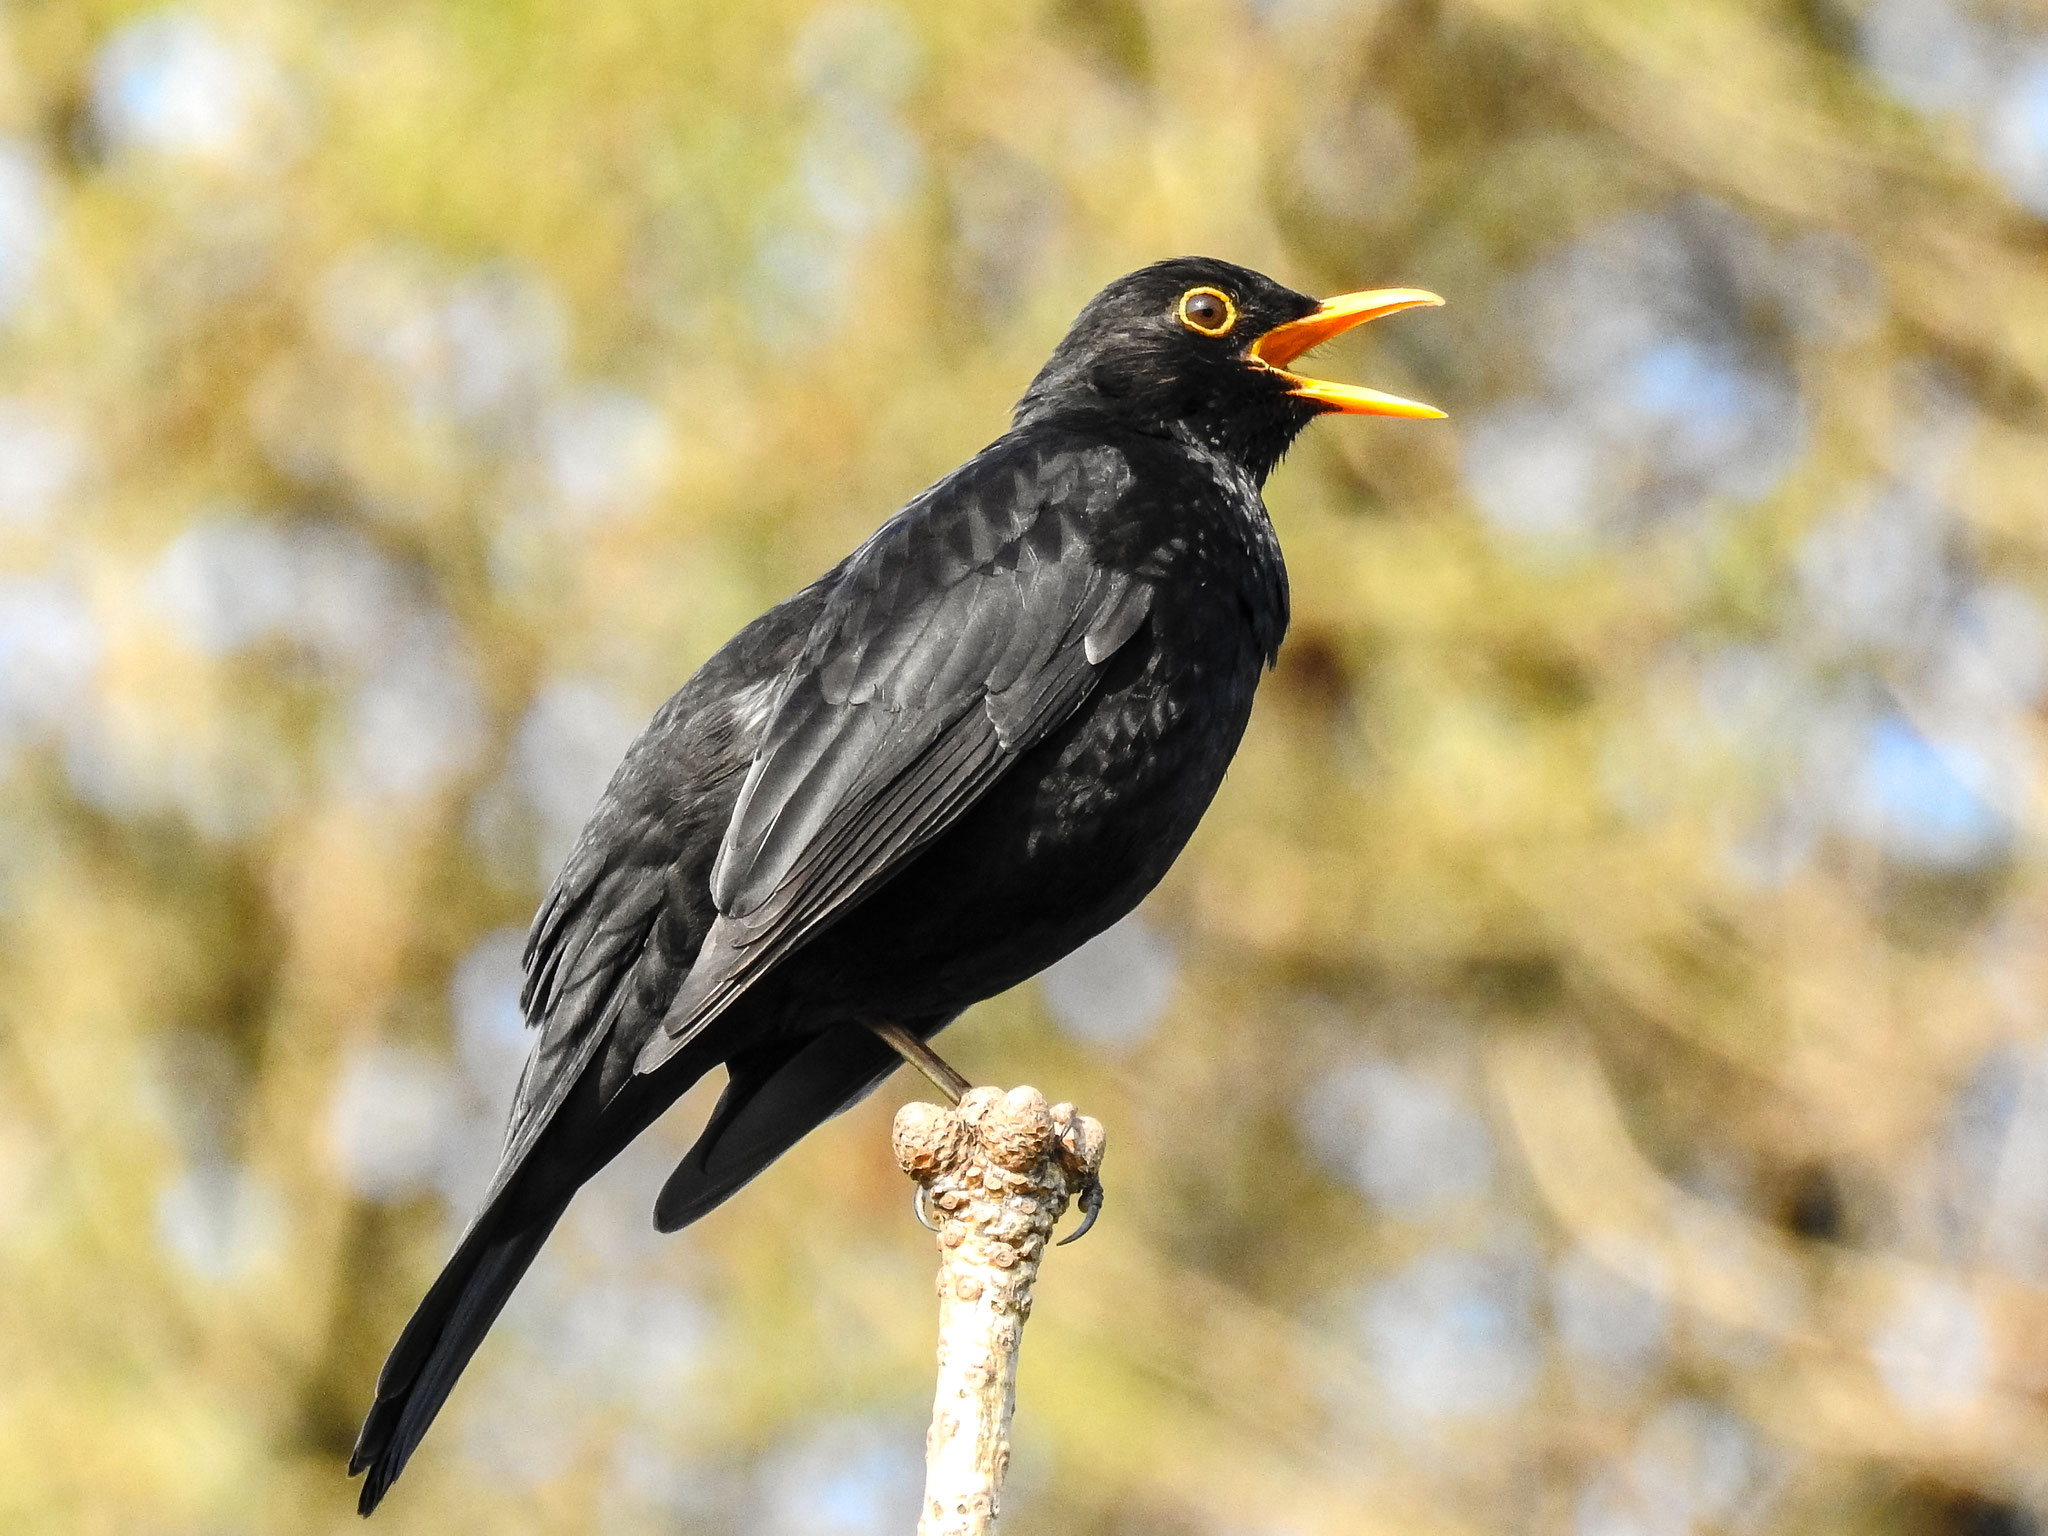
column 1208, row 311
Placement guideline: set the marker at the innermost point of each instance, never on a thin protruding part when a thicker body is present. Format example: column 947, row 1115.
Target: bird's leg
column 925, row 1059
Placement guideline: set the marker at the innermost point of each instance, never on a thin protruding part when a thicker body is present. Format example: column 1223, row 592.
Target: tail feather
column 583, row 1129
column 438, row 1342
column 772, row 1100
column 773, row 1097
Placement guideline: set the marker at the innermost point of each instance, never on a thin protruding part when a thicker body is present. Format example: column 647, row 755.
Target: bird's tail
column 444, row 1332
column 774, row 1096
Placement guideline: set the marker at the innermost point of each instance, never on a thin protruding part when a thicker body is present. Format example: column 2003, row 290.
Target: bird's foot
column 1014, row 1144
column 1090, row 1202
column 917, row 1200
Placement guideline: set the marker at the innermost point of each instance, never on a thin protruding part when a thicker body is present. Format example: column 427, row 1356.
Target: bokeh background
column 1589, row 1074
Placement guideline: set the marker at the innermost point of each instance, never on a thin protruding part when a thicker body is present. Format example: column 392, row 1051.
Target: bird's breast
column 1154, row 740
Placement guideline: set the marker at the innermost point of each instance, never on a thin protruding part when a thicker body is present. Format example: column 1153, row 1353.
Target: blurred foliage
column 1589, row 1073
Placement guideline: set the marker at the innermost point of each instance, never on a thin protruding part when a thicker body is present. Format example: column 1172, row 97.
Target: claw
column 917, row 1200
column 1091, row 1207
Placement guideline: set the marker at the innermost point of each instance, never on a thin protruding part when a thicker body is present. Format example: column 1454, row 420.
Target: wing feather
column 960, row 636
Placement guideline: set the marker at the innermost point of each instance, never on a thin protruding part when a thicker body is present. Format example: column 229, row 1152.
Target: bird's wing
column 607, row 950
column 958, row 637
column 629, row 910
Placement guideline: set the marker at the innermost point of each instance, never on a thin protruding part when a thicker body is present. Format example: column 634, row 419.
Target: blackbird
column 970, row 747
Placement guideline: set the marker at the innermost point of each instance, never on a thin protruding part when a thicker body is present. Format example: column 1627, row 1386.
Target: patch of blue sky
column 417, row 721
column 172, row 84
column 845, row 1476
column 50, row 646
column 1693, row 1467
column 1932, row 1349
column 1712, row 420
column 564, row 753
column 1538, row 473
column 1998, row 1151
column 1614, row 1327
column 42, row 450
column 857, row 54
column 1876, row 576
column 1454, row 1335
column 1660, row 398
column 491, row 1038
column 1112, row 992
column 1409, row 1142
column 2015, row 134
column 230, row 580
column 27, row 222
column 607, row 451
column 1926, row 802
column 1996, row 650
column 856, row 167
column 386, row 1120
column 225, row 582
column 484, row 348
column 1931, row 54
column 1681, row 378
column 632, row 1341
column 220, row 1221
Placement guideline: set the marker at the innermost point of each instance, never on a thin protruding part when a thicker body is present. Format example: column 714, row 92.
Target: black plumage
column 970, row 747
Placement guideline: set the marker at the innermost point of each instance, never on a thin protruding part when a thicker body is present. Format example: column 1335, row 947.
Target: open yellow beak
column 1284, row 343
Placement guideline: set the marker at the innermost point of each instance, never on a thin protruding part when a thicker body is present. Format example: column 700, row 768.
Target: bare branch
column 999, row 1170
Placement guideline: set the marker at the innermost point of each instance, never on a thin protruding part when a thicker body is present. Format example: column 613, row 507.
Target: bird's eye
column 1207, row 310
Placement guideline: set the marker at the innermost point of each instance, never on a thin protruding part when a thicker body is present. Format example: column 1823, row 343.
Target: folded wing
column 959, row 637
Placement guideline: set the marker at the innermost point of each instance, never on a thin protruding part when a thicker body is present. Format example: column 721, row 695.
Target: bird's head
column 1201, row 348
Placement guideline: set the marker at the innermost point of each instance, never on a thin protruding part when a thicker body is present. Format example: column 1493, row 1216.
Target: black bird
column 970, row 747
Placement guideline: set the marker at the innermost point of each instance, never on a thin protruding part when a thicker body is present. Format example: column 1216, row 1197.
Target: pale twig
column 999, row 1170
